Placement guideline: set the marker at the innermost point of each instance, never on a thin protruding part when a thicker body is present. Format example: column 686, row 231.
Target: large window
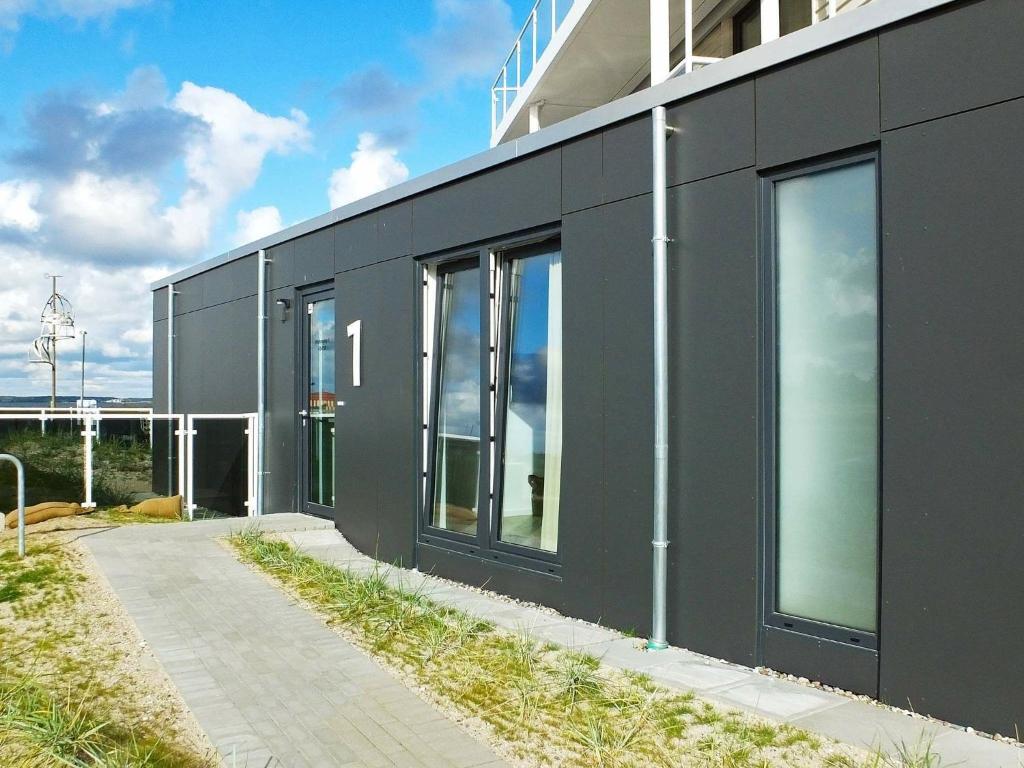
column 456, row 487
column 532, row 463
column 494, row 475
column 826, row 395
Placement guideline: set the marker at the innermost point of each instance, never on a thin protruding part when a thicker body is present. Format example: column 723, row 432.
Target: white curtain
column 553, row 418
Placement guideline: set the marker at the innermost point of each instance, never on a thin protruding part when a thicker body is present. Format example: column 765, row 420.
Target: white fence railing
column 184, row 434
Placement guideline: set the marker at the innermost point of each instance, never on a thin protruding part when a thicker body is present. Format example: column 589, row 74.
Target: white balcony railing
column 547, row 16
column 537, row 33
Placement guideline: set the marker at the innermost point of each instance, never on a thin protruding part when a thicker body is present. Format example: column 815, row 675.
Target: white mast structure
column 58, row 324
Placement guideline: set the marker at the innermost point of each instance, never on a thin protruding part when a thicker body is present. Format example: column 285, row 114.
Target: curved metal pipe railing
column 21, row 499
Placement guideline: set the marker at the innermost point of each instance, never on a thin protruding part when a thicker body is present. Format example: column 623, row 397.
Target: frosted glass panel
column 828, row 396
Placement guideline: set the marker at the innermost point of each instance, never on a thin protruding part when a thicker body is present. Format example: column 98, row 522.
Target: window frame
column 744, row 14
column 502, row 383
column 489, row 257
column 771, row 617
column 463, row 263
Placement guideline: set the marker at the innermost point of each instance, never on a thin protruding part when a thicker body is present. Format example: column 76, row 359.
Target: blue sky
column 138, row 136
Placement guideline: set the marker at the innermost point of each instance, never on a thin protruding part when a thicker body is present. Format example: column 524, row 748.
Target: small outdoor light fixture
column 285, row 305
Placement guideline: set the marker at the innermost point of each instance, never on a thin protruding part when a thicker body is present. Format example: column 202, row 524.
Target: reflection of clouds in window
column 459, row 412
column 322, row 345
column 828, row 395
column 828, row 278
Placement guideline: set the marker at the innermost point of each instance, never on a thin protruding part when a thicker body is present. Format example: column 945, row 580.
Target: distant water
column 7, row 401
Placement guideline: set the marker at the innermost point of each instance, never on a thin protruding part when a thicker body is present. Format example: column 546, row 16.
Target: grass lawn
column 537, row 703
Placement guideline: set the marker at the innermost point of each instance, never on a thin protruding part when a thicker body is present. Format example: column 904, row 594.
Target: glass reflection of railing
column 540, row 29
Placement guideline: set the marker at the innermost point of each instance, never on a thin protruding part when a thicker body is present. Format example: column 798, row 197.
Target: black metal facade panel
column 844, row 666
column 314, row 257
column 628, row 370
column 189, row 295
column 282, row 406
column 160, row 366
column 963, row 57
column 390, row 343
column 231, row 281
column 355, row 242
column 191, row 338
column 228, row 368
column 715, row 134
column 627, row 160
column 825, row 103
column 582, row 506
column 523, row 194
column 280, row 270
column 357, row 436
column 583, row 173
column 160, row 304
column 953, row 435
column 394, row 232
column 496, row 577
column 713, row 405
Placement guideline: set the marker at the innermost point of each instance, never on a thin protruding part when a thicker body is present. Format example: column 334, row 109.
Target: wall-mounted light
column 285, row 305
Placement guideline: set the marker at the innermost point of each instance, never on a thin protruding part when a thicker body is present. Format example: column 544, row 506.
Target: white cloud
column 467, row 37
column 110, row 227
column 374, row 167
column 257, row 223
column 101, row 200
column 18, row 205
column 114, row 306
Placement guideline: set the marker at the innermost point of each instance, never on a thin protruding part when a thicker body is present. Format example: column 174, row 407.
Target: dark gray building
column 461, row 370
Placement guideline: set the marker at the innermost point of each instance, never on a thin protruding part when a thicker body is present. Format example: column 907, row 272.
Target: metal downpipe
column 261, row 376
column 659, row 242
column 170, row 392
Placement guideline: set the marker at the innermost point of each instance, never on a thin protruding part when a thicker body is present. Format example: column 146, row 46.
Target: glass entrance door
column 318, row 405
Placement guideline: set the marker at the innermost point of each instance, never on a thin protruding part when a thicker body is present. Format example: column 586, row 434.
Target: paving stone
column 268, row 682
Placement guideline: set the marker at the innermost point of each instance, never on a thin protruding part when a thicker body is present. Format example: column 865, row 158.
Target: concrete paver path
column 269, row 683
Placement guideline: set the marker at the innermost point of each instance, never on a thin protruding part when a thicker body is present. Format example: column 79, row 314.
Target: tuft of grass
column 545, row 704
column 38, row 729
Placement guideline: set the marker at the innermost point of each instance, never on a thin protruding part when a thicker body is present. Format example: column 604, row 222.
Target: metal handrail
column 515, row 71
column 21, row 499
column 514, row 64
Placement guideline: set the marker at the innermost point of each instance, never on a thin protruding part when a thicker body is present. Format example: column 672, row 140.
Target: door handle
column 303, row 414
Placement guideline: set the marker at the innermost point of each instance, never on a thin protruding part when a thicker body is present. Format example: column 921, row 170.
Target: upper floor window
column 746, row 24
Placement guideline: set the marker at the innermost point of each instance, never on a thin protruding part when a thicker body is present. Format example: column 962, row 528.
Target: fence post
column 87, row 435
column 190, row 434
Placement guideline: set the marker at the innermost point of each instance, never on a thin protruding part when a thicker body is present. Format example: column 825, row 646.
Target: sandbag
column 163, row 506
column 45, row 511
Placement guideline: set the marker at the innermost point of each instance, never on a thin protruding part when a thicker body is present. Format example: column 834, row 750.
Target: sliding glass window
column 531, row 421
column 456, row 470
column 826, row 395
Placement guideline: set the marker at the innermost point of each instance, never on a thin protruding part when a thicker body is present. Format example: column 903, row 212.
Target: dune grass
column 539, row 703
column 53, row 467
